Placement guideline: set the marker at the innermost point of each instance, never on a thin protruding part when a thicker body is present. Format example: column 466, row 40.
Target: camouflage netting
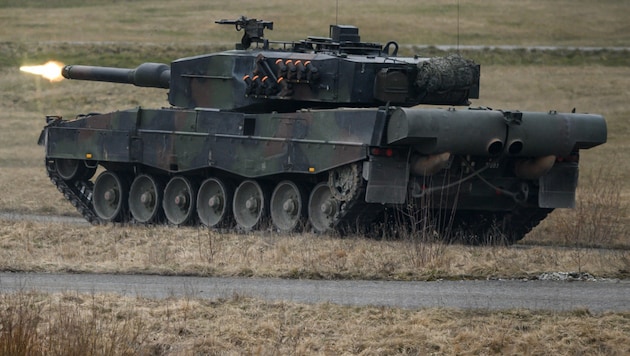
column 443, row 74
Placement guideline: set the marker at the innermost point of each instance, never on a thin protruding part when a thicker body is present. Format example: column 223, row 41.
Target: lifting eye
column 386, row 49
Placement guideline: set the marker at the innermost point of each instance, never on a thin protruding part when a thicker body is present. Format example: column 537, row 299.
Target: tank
column 323, row 134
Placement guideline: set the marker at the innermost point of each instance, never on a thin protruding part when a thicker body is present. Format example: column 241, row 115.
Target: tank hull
column 253, row 170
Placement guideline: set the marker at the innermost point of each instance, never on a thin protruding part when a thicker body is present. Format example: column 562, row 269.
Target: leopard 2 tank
column 321, row 134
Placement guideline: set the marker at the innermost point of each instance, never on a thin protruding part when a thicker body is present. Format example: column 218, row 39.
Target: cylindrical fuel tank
column 431, row 131
column 541, row 134
column 492, row 132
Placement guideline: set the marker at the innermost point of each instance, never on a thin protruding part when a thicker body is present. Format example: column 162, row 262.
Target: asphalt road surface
column 596, row 296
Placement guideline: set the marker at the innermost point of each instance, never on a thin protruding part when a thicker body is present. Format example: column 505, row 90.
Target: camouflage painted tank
column 320, row 134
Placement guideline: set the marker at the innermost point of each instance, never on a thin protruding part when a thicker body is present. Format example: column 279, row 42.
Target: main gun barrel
column 154, row 75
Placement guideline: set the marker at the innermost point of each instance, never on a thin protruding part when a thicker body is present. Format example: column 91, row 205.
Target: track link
column 498, row 228
column 77, row 192
column 356, row 215
column 522, row 220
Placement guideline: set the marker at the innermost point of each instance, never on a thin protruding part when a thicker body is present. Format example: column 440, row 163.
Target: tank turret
column 319, row 134
column 330, row 72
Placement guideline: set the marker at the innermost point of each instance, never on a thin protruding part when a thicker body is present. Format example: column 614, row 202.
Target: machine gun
column 253, row 30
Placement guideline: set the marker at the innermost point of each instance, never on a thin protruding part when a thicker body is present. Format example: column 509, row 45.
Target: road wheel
column 214, row 203
column 179, row 200
column 249, row 204
column 110, row 196
column 287, row 206
column 145, row 197
column 323, row 209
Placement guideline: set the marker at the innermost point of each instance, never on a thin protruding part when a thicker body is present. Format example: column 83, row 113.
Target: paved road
column 548, row 295
column 597, row 296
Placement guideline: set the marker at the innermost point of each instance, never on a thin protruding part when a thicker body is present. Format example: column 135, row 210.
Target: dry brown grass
column 530, row 22
column 110, row 324
column 37, row 324
column 600, row 218
column 55, row 247
column 241, row 325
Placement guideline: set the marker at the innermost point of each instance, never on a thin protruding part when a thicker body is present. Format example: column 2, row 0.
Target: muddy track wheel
column 179, row 200
column 345, row 182
column 214, row 203
column 110, row 196
column 249, row 205
column 323, row 209
column 287, row 206
column 145, row 198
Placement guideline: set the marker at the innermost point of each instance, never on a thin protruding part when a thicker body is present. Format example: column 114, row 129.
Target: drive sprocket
column 345, row 182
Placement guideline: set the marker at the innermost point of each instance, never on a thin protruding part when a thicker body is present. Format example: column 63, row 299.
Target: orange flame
column 50, row 70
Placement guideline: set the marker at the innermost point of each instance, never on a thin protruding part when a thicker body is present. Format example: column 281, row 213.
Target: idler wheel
column 145, row 197
column 214, row 203
column 287, row 206
column 249, row 204
column 73, row 169
column 323, row 208
column 179, row 200
column 110, row 196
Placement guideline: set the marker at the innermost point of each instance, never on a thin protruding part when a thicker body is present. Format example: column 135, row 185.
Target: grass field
column 528, row 22
column 127, row 33
column 111, row 325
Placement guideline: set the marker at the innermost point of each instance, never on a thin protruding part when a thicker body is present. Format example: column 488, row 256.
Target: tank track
column 498, row 228
column 355, row 215
column 77, row 192
column 522, row 220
